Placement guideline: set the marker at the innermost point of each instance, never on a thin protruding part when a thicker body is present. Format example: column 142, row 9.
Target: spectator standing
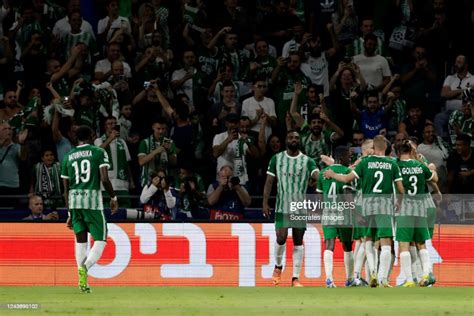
column 156, row 151
column 374, row 68
column 120, row 174
column 461, row 167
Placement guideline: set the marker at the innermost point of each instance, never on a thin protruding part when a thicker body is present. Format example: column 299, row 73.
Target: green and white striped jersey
column 292, row 175
column 81, row 166
column 377, row 175
column 415, row 175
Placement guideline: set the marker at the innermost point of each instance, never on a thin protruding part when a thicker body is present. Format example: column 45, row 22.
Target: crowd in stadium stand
column 191, row 98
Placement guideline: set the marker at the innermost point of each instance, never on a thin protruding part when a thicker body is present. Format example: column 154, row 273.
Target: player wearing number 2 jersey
column 83, row 169
column 377, row 174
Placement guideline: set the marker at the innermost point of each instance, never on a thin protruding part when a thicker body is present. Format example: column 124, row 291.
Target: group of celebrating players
column 392, row 200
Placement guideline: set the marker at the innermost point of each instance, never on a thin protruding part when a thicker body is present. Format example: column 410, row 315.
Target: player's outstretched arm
column 104, row 178
column 346, row 178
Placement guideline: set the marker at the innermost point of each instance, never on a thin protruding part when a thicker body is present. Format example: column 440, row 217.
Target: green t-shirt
column 292, row 175
column 316, row 148
column 146, row 146
column 415, row 175
column 338, row 212
column 377, row 175
column 81, row 166
column 285, row 89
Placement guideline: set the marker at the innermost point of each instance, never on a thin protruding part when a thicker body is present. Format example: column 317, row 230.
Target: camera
column 347, row 60
column 234, row 181
column 148, row 84
column 117, row 128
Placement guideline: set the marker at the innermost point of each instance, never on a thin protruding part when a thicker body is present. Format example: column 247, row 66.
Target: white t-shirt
column 62, row 27
column 249, row 108
column 187, row 87
column 105, row 66
column 290, row 46
column 228, row 157
column 316, row 69
column 373, row 69
column 116, row 24
column 454, row 83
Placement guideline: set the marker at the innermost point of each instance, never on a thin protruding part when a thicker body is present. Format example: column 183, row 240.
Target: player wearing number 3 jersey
column 83, row 169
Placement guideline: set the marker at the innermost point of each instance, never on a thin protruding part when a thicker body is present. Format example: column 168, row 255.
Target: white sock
column 425, row 261
column 385, row 258
column 370, row 256
column 279, row 251
column 377, row 261
column 359, row 260
column 415, row 269
column 357, row 247
column 349, row 264
column 297, row 260
column 81, row 253
column 367, row 269
column 328, row 256
column 95, row 253
column 405, row 265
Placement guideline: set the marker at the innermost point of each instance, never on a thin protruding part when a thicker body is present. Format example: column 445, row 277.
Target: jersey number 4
column 82, row 174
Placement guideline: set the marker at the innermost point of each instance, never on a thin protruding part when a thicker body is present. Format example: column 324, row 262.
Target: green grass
column 137, row 301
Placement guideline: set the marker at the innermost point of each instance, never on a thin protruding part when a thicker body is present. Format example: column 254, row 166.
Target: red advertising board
column 198, row 254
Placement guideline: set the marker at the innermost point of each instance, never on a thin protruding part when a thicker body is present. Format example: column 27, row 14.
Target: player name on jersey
column 379, row 165
column 412, row 170
column 80, row 154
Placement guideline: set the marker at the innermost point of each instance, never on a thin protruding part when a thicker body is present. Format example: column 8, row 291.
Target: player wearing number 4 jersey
column 337, row 222
column 83, row 169
column 378, row 174
column 412, row 225
column 292, row 170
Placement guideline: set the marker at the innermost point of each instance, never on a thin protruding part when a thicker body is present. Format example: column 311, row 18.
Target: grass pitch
column 137, row 301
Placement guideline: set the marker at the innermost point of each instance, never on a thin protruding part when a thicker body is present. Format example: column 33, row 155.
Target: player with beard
column 316, row 140
column 292, row 169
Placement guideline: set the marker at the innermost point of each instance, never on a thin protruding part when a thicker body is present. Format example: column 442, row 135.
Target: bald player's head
column 367, row 147
column 380, row 143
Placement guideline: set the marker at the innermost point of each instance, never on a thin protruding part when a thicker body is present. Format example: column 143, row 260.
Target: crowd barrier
column 204, row 254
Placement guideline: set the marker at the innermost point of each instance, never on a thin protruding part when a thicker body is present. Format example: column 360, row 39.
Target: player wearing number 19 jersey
column 83, row 169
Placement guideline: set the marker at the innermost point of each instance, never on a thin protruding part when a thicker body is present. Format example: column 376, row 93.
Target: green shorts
column 344, row 233
column 379, row 226
column 412, row 228
column 92, row 221
column 289, row 221
column 431, row 220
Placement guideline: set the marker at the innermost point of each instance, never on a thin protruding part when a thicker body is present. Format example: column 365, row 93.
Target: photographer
column 158, row 197
column 192, row 193
column 226, row 197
